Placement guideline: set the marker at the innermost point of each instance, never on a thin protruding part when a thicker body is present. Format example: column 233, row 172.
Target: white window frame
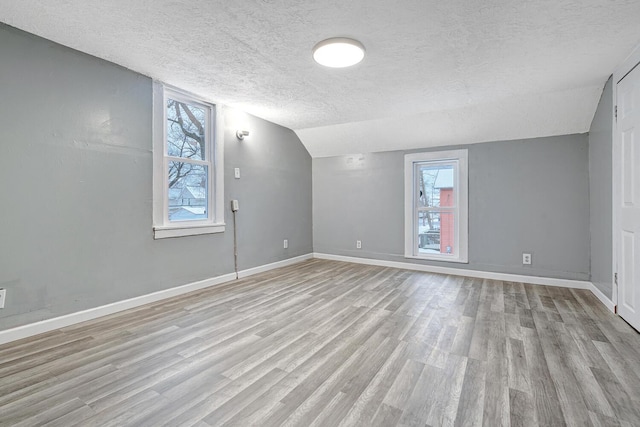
column 461, row 191
column 214, row 155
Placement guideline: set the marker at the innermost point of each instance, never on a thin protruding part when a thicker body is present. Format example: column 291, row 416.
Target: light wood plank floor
column 325, row 343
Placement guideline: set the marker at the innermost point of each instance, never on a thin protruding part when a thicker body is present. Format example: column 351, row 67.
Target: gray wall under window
column 524, row 196
column 76, row 193
column 600, row 188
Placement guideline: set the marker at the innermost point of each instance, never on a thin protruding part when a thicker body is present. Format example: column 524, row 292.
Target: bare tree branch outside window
column 186, row 145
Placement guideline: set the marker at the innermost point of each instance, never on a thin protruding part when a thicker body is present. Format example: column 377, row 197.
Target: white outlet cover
column 3, row 295
column 236, row 173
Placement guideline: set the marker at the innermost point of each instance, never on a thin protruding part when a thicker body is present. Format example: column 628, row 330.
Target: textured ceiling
column 436, row 72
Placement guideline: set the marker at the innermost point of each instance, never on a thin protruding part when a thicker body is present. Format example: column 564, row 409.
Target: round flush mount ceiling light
column 338, row 52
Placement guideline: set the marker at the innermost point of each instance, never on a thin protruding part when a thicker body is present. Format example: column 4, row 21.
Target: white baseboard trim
column 603, row 298
column 48, row 325
column 273, row 265
column 535, row 280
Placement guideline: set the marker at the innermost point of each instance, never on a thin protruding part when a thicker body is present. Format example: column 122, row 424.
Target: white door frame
column 620, row 72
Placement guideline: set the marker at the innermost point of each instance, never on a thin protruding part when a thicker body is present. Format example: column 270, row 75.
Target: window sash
column 208, row 195
column 208, row 124
column 416, row 234
column 416, row 176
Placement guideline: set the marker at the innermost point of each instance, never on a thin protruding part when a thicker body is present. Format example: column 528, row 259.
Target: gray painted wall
column 524, row 196
column 76, row 193
column 600, row 188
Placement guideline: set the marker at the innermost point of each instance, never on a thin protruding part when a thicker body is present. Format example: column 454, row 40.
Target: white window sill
column 169, row 231
column 438, row 258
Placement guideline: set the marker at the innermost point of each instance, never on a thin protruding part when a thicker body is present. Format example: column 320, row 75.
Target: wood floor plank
column 548, row 410
column 518, row 373
column 588, row 387
column 619, row 365
column 567, row 388
column 331, row 343
column 444, row 409
column 243, row 398
column 53, row 413
column 470, row 408
column 399, row 392
column 364, row 409
column 626, row 406
column 385, row 416
column 496, row 393
column 521, row 409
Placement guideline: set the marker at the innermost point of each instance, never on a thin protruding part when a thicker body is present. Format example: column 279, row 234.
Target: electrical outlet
column 3, row 296
column 286, row 243
column 236, row 173
column 358, row 244
column 526, row 259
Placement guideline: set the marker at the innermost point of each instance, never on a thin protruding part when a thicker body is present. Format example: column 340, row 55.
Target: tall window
column 436, row 204
column 187, row 166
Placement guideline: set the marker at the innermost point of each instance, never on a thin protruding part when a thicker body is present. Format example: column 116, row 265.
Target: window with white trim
column 188, row 173
column 436, row 205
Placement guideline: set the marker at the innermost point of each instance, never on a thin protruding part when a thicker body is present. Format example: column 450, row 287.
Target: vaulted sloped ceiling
column 435, row 73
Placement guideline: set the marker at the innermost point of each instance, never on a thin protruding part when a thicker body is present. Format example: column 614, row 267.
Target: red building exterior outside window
column 446, row 222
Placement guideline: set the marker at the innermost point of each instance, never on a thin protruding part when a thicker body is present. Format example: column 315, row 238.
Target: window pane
column 435, row 185
column 187, row 191
column 185, row 130
column 436, row 232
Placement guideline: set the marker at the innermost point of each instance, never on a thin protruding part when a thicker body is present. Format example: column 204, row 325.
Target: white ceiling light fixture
column 338, row 52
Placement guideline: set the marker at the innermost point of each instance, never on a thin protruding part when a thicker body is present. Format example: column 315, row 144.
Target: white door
column 626, row 184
